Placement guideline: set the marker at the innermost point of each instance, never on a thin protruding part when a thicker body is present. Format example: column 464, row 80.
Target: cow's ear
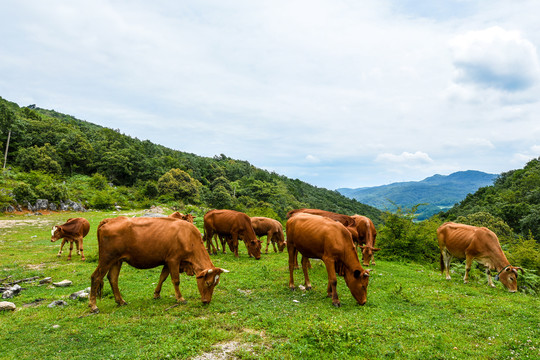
column 376, row 249
column 203, row 273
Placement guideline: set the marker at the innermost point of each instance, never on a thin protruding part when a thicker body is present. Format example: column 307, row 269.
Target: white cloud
column 405, row 158
column 312, row 159
column 495, row 58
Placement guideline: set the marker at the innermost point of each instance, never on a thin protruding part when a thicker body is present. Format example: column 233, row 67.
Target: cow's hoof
column 338, row 304
column 308, row 287
column 292, row 288
column 94, row 311
column 157, row 296
column 182, row 301
column 123, row 303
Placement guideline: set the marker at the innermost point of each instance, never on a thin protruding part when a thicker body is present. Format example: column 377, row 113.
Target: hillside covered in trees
column 58, row 157
column 514, row 197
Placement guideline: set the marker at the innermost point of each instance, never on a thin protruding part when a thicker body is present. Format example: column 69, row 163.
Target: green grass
column 412, row 311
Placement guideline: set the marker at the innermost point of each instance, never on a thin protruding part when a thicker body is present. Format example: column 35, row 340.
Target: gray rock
column 46, row 280
column 153, row 215
column 81, row 294
column 52, row 207
column 63, row 283
column 10, row 292
column 57, row 303
column 41, row 204
column 6, row 305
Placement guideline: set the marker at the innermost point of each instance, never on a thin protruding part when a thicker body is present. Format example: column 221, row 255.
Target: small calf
column 74, row 230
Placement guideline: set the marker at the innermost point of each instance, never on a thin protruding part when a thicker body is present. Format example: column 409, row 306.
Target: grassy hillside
column 412, row 311
column 57, row 157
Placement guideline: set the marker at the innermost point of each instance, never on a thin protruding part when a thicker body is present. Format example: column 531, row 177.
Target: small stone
column 63, row 283
column 46, row 280
column 55, row 326
column 57, row 303
column 6, row 305
column 8, row 294
column 82, row 294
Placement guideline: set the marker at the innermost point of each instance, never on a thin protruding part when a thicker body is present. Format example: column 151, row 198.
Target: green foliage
column 400, row 238
column 493, row 223
column 24, row 191
column 43, row 158
column 99, row 182
column 102, row 200
column 180, row 185
column 514, row 198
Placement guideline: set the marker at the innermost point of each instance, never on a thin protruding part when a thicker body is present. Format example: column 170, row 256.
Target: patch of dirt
column 224, row 351
column 7, row 224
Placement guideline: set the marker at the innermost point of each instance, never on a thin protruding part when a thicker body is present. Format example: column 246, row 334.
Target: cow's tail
column 442, row 263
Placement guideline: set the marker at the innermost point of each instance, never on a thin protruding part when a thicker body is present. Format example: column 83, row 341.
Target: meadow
column 412, row 312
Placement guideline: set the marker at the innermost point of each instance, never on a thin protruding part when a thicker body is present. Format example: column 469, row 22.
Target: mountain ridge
column 439, row 192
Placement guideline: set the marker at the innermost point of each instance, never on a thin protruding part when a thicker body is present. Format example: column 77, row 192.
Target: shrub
column 102, row 200
column 24, row 192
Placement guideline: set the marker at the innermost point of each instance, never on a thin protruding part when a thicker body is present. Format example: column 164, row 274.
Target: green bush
column 102, row 200
column 24, row 192
column 52, row 192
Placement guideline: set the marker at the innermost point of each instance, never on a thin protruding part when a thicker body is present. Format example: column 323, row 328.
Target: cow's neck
column 350, row 259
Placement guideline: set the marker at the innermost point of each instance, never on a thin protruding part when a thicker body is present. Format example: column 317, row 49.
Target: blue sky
column 337, row 93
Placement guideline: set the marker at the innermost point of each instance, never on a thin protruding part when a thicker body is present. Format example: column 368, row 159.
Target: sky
column 337, row 93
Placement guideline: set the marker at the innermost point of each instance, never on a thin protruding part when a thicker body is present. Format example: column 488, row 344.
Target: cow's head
column 207, row 281
column 357, row 282
column 367, row 254
column 56, row 233
column 508, row 277
column 254, row 248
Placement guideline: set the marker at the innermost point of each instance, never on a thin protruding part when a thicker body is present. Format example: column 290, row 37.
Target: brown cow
column 146, row 243
column 186, row 217
column 361, row 228
column 366, row 235
column 475, row 243
column 272, row 229
column 322, row 238
column 73, row 231
column 231, row 225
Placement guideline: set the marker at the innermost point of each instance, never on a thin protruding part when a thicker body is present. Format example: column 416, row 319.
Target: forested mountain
column 514, row 197
column 438, row 192
column 56, row 157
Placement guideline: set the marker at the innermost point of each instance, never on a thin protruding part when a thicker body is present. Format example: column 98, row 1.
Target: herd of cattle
column 175, row 243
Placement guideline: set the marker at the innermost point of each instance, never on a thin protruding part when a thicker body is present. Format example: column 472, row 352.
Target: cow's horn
column 210, row 271
column 225, row 271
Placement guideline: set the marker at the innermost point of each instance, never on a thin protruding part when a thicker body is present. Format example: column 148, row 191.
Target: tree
column 180, row 185
column 7, row 119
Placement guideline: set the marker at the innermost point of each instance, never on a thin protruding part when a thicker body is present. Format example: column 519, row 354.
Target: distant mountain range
column 440, row 192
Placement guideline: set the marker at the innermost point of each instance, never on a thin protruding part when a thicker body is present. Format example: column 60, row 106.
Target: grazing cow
column 231, row 225
column 146, row 243
column 73, row 231
column 366, row 234
column 475, row 243
column 322, row 238
column 361, row 228
column 272, row 229
column 186, row 217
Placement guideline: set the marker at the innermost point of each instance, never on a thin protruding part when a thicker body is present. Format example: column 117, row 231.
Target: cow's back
column 227, row 221
column 315, row 235
column 458, row 239
column 155, row 238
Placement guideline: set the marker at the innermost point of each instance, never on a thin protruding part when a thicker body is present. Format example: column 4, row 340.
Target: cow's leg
column 468, row 265
column 70, row 248
column 268, row 239
column 292, row 265
column 174, row 268
column 96, row 284
column 222, row 240
column 61, row 246
column 164, row 274
column 235, row 244
column 80, row 250
column 272, row 236
column 490, row 281
column 446, row 259
column 332, row 280
column 112, row 275
column 305, row 267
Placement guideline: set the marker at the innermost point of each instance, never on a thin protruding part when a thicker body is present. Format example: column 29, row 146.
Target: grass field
column 412, row 311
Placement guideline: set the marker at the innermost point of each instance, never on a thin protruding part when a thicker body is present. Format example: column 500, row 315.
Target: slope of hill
column 57, row 157
column 514, row 198
column 439, row 192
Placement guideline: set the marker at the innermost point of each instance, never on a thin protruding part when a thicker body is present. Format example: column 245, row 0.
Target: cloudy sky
column 337, row 93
